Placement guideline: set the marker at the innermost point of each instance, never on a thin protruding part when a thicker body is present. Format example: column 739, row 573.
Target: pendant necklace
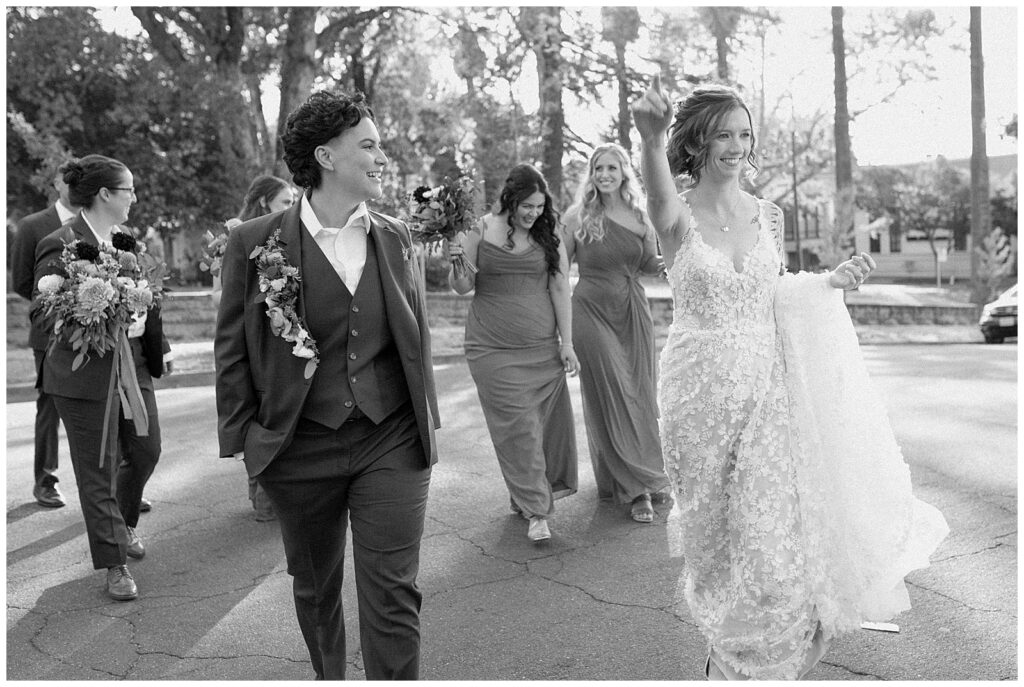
column 723, row 226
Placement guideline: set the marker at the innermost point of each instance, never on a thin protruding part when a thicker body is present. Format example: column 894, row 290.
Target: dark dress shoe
column 145, row 505
column 121, row 584
column 48, row 496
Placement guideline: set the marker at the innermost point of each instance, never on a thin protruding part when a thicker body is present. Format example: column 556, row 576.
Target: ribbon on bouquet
column 126, row 383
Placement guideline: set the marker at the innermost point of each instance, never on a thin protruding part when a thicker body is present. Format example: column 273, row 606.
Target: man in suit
column 110, row 495
column 355, row 439
column 31, row 230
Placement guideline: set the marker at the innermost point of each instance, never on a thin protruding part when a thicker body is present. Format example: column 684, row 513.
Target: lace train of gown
column 794, row 499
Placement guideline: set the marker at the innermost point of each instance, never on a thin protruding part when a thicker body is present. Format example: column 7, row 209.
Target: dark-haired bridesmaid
column 519, row 344
column 110, row 490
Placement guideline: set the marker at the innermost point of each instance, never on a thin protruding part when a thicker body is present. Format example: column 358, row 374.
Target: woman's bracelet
column 563, row 345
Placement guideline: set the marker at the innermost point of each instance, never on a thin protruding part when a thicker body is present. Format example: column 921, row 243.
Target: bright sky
column 923, row 121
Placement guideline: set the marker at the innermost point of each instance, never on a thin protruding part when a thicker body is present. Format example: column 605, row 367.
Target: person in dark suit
column 30, row 231
column 103, row 187
column 355, row 440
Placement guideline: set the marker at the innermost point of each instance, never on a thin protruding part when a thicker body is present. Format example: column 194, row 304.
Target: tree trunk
column 843, row 227
column 981, row 211
column 298, row 70
column 621, row 26
column 544, row 33
column 625, row 123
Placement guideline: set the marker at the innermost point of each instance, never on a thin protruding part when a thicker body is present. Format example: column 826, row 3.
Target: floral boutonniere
column 279, row 288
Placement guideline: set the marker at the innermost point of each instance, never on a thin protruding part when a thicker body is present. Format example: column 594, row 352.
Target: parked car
column 999, row 318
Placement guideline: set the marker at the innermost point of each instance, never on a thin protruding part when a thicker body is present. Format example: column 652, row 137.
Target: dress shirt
column 344, row 248
column 62, row 212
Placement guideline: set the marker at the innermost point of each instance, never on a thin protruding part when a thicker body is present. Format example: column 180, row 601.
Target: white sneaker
column 538, row 529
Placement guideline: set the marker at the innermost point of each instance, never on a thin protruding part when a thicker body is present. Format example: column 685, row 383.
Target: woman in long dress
column 519, row 344
column 795, row 502
column 608, row 235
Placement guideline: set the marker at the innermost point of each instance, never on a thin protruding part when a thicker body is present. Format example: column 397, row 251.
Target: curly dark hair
column 696, row 116
column 87, row 176
column 523, row 181
column 322, row 117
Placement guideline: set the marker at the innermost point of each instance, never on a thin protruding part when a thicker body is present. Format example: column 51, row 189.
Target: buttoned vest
column 359, row 363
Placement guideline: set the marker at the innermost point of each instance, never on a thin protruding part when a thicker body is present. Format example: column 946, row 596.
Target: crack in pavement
column 851, row 671
column 968, row 554
column 959, row 601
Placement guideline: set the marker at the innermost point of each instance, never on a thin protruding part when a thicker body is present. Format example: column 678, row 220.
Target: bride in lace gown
column 795, row 502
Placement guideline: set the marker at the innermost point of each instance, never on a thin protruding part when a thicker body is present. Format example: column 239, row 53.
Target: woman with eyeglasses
column 110, row 490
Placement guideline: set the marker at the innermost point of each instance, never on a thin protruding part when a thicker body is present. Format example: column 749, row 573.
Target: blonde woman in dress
column 614, row 245
column 795, row 502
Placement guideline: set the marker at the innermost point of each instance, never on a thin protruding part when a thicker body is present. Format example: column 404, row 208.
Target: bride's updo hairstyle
column 87, row 176
column 523, row 181
column 697, row 115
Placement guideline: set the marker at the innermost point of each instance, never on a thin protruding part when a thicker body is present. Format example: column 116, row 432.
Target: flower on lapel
column 279, row 284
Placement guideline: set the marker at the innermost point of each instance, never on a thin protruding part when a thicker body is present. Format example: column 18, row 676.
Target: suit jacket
column 261, row 386
column 90, row 381
column 31, row 230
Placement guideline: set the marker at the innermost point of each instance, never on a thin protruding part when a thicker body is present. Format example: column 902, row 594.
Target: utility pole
column 796, row 204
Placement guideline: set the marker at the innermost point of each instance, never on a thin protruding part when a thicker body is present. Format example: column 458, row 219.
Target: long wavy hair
column 523, row 181
column 589, row 205
column 262, row 190
column 697, row 115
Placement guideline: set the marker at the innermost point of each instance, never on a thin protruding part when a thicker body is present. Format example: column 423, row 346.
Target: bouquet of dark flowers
column 441, row 213
column 94, row 301
column 101, row 290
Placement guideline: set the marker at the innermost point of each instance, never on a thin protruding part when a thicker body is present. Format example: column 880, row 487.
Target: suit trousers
column 375, row 475
column 139, row 454
column 47, row 421
column 104, row 525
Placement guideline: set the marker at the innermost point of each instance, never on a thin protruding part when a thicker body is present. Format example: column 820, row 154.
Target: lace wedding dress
column 795, row 502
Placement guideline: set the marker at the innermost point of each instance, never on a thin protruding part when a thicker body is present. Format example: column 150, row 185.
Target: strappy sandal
column 642, row 510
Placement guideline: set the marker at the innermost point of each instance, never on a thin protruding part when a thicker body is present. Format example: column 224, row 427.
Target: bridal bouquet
column 101, row 291
column 442, row 212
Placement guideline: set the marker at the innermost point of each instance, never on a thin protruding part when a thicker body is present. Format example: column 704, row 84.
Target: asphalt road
column 601, row 600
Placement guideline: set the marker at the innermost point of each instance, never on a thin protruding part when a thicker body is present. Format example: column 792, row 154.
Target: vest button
column 348, row 404
column 355, row 333
column 353, row 380
column 352, row 356
column 355, row 308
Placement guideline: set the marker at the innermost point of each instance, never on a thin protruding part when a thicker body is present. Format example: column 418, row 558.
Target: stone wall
column 190, row 316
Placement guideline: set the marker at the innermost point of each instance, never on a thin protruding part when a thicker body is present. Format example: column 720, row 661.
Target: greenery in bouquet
column 213, row 252
column 440, row 213
column 99, row 293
